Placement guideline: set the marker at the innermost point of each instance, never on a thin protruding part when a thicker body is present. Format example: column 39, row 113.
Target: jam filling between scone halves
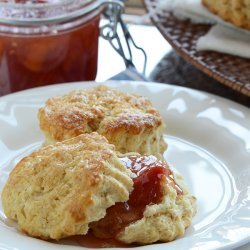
column 148, row 175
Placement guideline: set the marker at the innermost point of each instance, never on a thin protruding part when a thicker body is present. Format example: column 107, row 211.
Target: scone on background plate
column 128, row 121
column 83, row 184
column 234, row 11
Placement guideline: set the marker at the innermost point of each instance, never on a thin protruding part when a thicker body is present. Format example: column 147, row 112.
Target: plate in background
column 232, row 71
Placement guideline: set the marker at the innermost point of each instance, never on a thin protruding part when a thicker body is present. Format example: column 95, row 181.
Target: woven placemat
column 174, row 69
column 232, row 71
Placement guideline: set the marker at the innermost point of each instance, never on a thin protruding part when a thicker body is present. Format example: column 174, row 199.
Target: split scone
column 82, row 184
column 234, row 11
column 128, row 121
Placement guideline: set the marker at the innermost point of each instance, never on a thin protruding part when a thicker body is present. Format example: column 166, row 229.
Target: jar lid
column 33, row 12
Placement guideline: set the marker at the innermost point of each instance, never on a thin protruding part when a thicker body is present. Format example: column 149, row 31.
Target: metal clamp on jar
column 52, row 41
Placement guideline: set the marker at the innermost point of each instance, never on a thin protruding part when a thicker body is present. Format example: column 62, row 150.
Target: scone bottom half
column 82, row 185
column 128, row 121
column 159, row 208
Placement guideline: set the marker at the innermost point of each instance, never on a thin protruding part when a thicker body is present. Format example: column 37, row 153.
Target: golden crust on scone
column 58, row 190
column 165, row 221
column 234, row 11
column 128, row 121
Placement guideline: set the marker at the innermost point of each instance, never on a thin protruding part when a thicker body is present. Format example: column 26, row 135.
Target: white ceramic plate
column 209, row 143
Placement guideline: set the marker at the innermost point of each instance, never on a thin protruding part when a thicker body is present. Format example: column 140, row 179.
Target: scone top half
column 57, row 191
column 128, row 121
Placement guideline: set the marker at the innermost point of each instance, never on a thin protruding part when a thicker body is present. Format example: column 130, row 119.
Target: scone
column 234, row 11
column 128, row 121
column 159, row 208
column 82, row 184
column 57, row 191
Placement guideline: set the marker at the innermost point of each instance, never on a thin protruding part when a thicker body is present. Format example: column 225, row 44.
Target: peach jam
column 47, row 41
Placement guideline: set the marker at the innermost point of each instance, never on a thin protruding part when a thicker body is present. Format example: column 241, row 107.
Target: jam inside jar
column 47, row 41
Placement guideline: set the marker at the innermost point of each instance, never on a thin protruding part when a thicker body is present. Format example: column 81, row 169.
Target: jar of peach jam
column 48, row 41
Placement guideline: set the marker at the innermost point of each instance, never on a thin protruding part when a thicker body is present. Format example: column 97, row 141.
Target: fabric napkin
column 222, row 37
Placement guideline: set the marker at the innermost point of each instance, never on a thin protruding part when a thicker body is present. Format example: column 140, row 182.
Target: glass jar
column 48, row 41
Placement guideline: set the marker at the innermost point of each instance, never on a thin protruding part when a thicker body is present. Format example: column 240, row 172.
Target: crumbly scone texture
column 234, row 11
column 165, row 221
column 58, row 190
column 128, row 121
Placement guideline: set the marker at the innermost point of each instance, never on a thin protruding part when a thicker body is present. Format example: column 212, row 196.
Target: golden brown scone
column 234, row 11
column 165, row 221
column 128, row 121
column 58, row 190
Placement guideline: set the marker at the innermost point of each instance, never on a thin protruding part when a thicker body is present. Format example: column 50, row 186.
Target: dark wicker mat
column 173, row 69
column 232, row 71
